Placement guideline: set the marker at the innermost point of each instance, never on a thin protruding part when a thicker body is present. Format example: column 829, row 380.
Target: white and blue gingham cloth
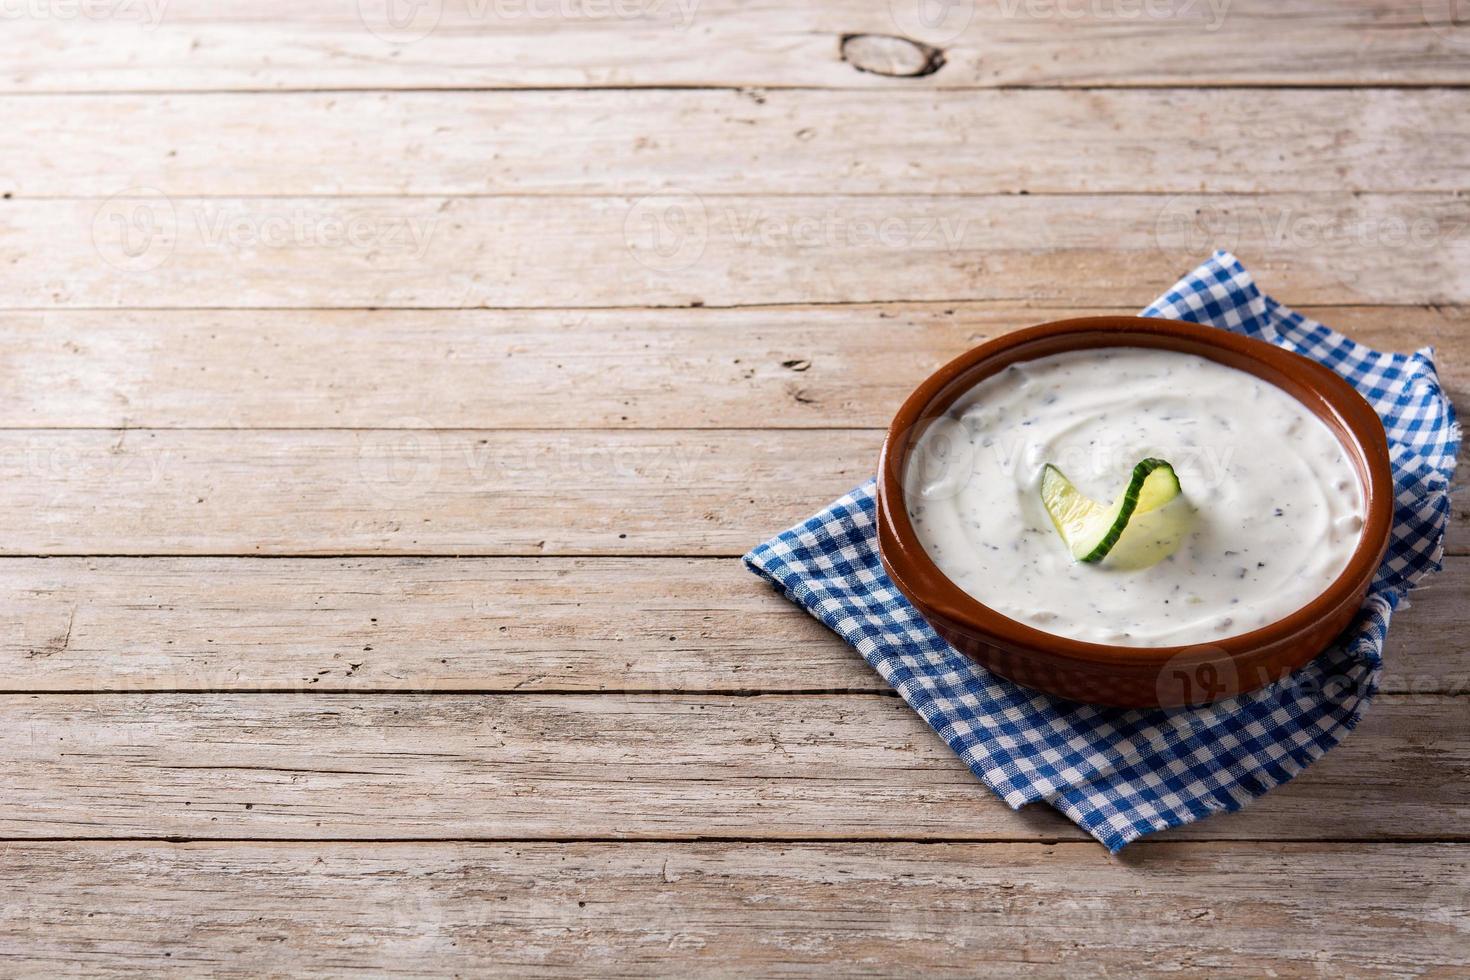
column 1120, row 774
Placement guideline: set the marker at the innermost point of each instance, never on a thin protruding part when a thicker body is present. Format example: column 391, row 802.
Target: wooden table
column 386, row 404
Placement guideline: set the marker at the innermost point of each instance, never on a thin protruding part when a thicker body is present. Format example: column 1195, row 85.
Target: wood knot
column 888, row 54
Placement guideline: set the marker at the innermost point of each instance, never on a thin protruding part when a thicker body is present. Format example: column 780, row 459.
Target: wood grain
column 728, row 142
column 146, row 250
column 282, row 281
column 721, row 909
column 531, row 625
column 626, row 766
column 274, row 44
column 765, row 367
column 425, row 492
column 414, row 492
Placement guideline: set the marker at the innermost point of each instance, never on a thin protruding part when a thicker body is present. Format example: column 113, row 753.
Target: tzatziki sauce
column 1270, row 511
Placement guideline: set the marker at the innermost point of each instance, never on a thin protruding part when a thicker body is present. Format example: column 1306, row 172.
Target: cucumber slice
column 1090, row 529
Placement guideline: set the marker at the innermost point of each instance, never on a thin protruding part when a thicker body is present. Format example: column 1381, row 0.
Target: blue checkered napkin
column 1120, row 774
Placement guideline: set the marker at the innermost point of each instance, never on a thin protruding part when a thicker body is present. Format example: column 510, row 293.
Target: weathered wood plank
column 681, row 249
column 533, row 625
column 659, row 625
column 423, row 492
column 722, row 142
column 627, row 766
column 657, row 492
column 273, row 44
column 774, row 367
column 722, row 909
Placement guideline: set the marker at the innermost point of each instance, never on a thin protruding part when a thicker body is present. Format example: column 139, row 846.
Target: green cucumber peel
column 1091, row 529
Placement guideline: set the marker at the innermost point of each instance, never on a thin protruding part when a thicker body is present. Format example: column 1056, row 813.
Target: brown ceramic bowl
column 1166, row 676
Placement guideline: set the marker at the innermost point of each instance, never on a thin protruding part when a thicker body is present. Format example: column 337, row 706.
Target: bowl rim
column 918, row 577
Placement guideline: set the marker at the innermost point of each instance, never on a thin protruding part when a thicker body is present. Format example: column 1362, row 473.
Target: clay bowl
column 1099, row 673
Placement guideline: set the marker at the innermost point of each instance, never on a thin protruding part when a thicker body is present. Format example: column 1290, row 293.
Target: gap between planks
column 1019, row 302
column 747, row 91
column 165, row 843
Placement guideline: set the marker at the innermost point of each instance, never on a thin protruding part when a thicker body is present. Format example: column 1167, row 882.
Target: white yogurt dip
column 1270, row 511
